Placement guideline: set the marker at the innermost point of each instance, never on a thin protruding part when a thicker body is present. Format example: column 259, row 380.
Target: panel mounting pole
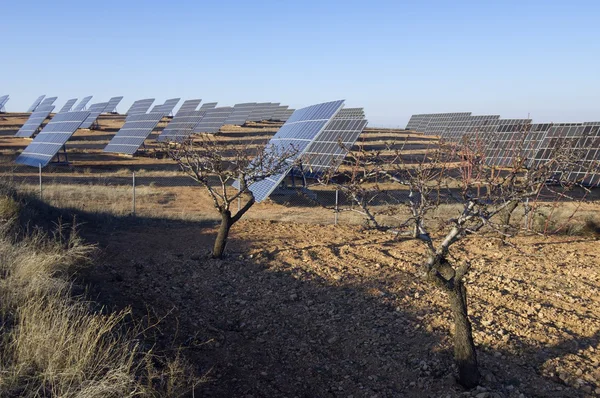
column 40, row 172
column 133, row 198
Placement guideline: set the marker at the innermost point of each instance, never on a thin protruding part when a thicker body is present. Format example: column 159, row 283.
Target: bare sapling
column 217, row 164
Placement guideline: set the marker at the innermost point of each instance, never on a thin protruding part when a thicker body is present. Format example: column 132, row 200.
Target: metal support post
column 133, row 204
column 40, row 172
column 336, row 206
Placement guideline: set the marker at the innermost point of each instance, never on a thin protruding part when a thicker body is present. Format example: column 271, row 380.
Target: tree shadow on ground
column 257, row 330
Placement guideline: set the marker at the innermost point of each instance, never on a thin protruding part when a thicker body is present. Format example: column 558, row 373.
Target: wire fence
column 167, row 193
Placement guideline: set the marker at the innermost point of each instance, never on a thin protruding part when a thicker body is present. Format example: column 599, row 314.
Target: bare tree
column 477, row 198
column 217, row 164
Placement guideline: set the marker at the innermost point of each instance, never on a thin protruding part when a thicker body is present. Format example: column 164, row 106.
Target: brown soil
column 322, row 311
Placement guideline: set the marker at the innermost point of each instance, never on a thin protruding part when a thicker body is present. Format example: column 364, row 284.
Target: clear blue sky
column 394, row 58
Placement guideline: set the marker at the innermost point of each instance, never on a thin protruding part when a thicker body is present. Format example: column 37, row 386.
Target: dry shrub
column 55, row 345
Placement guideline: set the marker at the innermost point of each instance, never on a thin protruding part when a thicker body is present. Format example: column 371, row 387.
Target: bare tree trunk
column 221, row 241
column 505, row 217
column 464, row 348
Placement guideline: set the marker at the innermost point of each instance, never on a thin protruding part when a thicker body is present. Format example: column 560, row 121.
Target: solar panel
column 213, row 120
column 413, row 122
column 82, row 104
column 296, row 134
column 579, row 143
column 140, row 106
column 284, row 116
column 47, row 101
column 258, row 113
column 34, row 121
column 68, row 105
column 474, row 126
column 95, row 111
column 52, row 138
column 111, row 107
column 508, row 142
column 181, row 127
column 208, row 105
column 270, row 111
column 438, row 124
column 240, row 113
column 329, row 148
column 189, row 105
column 35, row 104
column 167, row 107
column 279, row 112
column 3, row 101
column 134, row 132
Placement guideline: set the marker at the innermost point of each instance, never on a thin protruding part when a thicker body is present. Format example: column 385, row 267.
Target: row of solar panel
column 506, row 141
column 320, row 134
column 138, row 125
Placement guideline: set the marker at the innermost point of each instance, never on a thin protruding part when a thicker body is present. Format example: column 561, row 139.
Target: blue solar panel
column 189, row 105
column 140, row 106
column 329, row 149
column 81, row 105
column 208, row 105
column 111, row 107
column 181, row 127
column 213, row 120
column 34, row 121
column 296, row 135
column 95, row 111
column 52, row 138
column 68, row 105
column 240, row 113
column 167, row 107
column 134, row 132
column 3, row 101
column 35, row 104
column 47, row 101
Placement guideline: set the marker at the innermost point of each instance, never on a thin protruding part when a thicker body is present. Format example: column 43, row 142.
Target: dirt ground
column 300, row 310
column 311, row 310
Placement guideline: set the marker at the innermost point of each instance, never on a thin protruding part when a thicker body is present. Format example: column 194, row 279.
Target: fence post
column 527, row 214
column 133, row 204
column 335, row 221
column 40, row 172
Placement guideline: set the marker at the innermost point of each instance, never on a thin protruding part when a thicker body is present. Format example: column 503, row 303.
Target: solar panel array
column 279, row 112
column 296, row 135
column 140, row 106
column 52, row 138
column 208, row 105
column 34, row 121
column 82, row 104
column 576, row 141
column 3, row 101
column 270, row 111
column 68, row 105
column 181, row 127
column 189, row 105
column 47, row 101
column 95, row 110
column 111, row 107
column 213, row 120
column 167, row 107
column 240, row 113
column 134, row 132
column 329, row 148
column 506, row 142
column 262, row 111
column 284, row 116
column 35, row 104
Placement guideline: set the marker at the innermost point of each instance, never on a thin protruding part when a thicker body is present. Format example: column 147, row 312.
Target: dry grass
column 55, row 345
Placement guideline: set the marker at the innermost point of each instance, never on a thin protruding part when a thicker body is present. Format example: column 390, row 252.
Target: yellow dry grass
column 55, row 344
